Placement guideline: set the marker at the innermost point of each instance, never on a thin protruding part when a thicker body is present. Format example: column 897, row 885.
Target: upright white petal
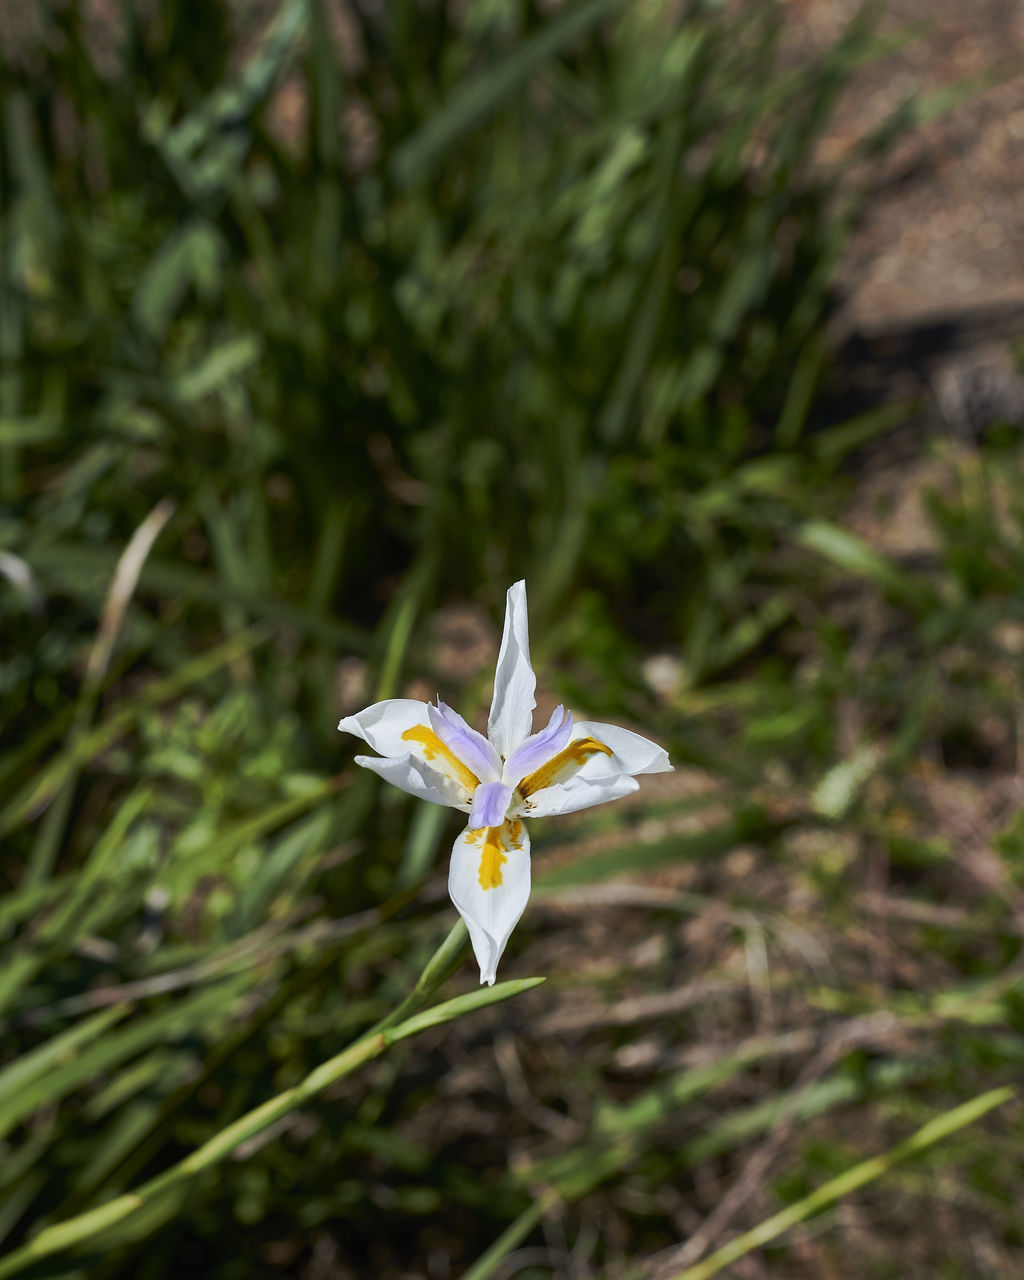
column 489, row 882
column 511, row 718
column 631, row 753
column 383, row 724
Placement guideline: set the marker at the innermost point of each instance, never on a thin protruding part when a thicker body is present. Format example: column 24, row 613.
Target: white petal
column 578, row 793
column 492, row 913
column 511, row 718
column 631, row 752
column 409, row 774
column 383, row 724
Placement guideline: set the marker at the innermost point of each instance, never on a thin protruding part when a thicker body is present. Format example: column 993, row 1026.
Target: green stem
column 439, row 968
column 514, row 1234
column 397, row 1026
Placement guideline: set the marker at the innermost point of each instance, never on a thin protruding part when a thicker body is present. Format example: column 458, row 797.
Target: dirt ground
column 931, row 290
column 946, row 232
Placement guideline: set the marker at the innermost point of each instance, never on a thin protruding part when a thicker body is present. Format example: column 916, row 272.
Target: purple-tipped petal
column 490, row 804
column 472, row 748
column 539, row 747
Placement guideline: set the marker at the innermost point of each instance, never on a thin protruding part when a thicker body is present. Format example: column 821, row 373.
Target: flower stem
column 404, row 1021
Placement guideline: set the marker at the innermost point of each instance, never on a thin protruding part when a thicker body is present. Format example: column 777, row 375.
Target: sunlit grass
column 395, row 310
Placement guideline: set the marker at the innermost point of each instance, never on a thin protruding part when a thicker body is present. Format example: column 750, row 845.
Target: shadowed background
column 320, row 324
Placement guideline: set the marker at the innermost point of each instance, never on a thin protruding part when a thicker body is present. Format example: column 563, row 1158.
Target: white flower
column 512, row 774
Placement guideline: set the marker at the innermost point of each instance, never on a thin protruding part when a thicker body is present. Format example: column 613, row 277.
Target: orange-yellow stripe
column 563, row 765
column 492, row 859
column 434, row 747
column 492, row 855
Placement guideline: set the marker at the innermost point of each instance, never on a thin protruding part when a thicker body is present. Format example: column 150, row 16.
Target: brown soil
column 946, row 232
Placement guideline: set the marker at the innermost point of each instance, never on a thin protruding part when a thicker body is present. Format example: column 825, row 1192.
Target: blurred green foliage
column 504, row 294
column 398, row 303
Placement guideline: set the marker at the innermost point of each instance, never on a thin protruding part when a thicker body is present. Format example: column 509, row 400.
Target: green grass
column 333, row 326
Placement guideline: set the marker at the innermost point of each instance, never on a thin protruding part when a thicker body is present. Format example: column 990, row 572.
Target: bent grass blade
column 77, row 1230
column 835, row 1189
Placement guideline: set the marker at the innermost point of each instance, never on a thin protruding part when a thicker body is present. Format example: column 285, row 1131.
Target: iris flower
column 501, row 779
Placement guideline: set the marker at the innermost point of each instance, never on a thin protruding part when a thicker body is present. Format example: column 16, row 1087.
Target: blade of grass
column 751, row 823
column 853, row 555
column 400, row 619
column 75, row 1231
column 121, row 589
column 515, row 1233
column 802, row 386
column 64, row 1076
column 34, row 797
column 482, row 96
column 936, row 1130
column 30, row 1066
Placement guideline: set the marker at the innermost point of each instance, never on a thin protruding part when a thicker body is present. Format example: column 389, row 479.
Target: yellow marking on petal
column 493, row 858
column 434, row 747
column 515, row 833
column 563, row 765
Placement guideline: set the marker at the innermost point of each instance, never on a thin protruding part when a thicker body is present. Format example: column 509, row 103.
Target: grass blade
column 835, row 1189
column 483, row 95
column 86, row 1226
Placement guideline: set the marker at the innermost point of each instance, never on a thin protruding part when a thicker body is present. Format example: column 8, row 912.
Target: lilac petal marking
column 472, row 748
column 539, row 747
column 490, row 804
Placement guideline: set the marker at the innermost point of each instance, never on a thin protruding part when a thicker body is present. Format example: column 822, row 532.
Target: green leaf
column 484, row 94
column 88, row 1226
column 748, row 824
column 223, row 364
column 27, row 1070
column 93, row 1055
column 855, row 556
column 188, row 257
column 936, row 1130
column 838, row 789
